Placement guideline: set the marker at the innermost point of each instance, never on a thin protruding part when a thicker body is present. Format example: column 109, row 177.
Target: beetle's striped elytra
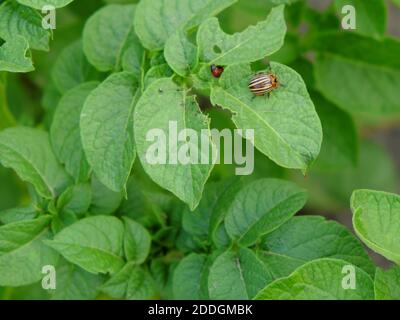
column 263, row 83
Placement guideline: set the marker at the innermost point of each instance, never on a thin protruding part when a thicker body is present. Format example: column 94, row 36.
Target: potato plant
column 89, row 88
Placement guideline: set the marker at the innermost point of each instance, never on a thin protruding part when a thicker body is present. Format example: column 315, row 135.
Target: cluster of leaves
column 119, row 227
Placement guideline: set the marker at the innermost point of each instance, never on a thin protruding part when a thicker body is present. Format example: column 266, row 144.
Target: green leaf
column 306, row 238
column 137, row 241
column 286, row 126
column 157, row 72
column 376, row 220
column 132, row 58
column 356, row 77
column 65, row 133
column 76, row 198
column 39, row 4
column 106, row 34
column 13, row 56
column 24, row 21
column 190, row 278
column 236, row 276
column 145, row 202
column 227, row 192
column 197, row 223
column 106, row 129
column 28, row 152
column 74, row 283
column 132, row 282
column 6, row 117
column 22, row 253
column 370, row 16
column 387, row 284
column 94, row 244
column 104, row 200
column 181, row 54
column 261, row 207
column 18, row 214
column 72, row 68
column 319, row 280
column 339, row 148
column 256, row 42
column 162, row 104
column 153, row 19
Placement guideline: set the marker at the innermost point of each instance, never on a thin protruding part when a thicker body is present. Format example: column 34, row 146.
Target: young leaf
column 286, row 126
column 72, row 68
column 236, row 276
column 190, row 278
column 197, row 223
column 39, row 4
column 145, row 202
column 376, row 220
column 24, row 21
column 107, row 130
column 132, row 282
column 180, row 53
column 356, row 77
column 137, row 241
column 104, row 200
column 153, row 23
column 28, row 152
column 74, row 283
column 306, row 238
column 370, row 16
column 105, row 36
column 18, row 214
column 227, row 192
column 157, row 72
column 94, row 244
column 76, row 198
column 65, row 133
column 261, row 207
column 165, row 106
column 321, row 279
column 387, row 284
column 217, row 47
column 22, row 253
column 132, row 58
column 13, row 56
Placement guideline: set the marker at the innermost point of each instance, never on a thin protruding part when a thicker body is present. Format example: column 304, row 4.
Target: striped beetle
column 263, row 83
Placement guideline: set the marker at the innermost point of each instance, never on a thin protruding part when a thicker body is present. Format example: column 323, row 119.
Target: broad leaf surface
column 286, row 126
column 107, row 129
column 94, row 243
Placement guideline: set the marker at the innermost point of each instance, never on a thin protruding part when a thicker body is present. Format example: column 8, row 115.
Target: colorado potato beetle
column 263, row 83
column 216, row 70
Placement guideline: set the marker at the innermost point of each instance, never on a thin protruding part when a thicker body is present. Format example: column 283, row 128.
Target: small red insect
column 216, row 70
